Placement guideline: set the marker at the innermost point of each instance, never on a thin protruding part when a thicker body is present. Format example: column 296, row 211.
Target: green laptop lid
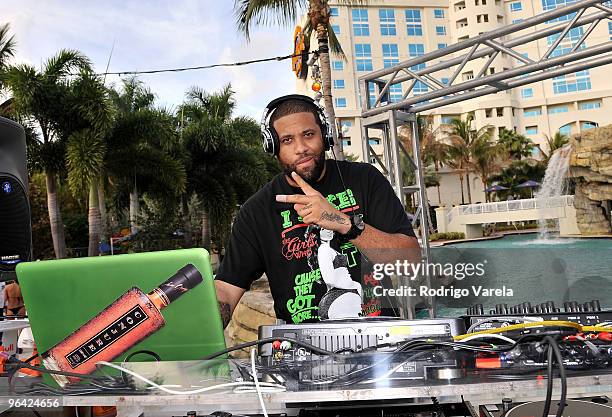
column 62, row 295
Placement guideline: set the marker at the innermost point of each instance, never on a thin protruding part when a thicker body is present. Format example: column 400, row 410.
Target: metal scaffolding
column 381, row 114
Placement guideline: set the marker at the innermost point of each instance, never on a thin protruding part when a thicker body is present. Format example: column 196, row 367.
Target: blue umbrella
column 529, row 184
column 495, row 187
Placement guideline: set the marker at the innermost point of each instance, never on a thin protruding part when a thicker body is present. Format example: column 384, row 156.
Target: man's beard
column 310, row 176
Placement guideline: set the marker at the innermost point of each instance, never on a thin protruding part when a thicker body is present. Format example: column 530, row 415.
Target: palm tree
column 225, row 163
column 7, row 48
column 517, row 145
column 287, row 12
column 557, row 141
column 487, row 159
column 463, row 141
column 40, row 98
column 141, row 148
column 86, row 148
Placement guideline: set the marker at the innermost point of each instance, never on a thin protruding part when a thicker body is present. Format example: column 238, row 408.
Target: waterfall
column 554, row 183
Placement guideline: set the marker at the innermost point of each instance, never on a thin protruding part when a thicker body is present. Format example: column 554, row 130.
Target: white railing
column 512, row 205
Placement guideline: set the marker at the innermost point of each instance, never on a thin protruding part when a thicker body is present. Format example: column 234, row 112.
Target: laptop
column 62, row 295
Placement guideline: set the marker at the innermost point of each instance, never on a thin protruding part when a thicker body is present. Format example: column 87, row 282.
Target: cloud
column 154, row 35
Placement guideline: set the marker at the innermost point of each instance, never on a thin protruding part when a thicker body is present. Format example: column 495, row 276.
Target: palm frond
column 251, row 13
column 7, row 45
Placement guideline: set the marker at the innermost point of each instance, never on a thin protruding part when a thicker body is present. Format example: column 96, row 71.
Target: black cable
column 35, row 412
column 561, row 367
column 549, row 382
column 231, row 64
column 263, row 341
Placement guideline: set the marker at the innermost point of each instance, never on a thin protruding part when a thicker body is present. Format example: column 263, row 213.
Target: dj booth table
column 471, row 390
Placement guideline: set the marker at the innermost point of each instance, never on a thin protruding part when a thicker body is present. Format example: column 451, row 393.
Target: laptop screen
column 62, row 295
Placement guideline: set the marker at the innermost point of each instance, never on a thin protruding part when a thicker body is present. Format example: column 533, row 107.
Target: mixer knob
column 567, row 306
column 596, row 305
column 479, row 309
column 550, row 305
column 504, row 308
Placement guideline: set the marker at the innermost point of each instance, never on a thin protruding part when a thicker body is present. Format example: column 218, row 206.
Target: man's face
column 301, row 145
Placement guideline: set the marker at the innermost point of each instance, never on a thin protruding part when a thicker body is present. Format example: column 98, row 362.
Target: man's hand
column 315, row 209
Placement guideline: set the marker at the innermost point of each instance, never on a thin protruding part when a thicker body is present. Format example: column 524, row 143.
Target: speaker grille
column 15, row 233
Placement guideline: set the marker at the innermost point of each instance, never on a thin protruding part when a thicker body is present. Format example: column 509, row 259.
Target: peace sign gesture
column 314, row 208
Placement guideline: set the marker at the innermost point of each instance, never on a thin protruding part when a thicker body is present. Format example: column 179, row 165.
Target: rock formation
column 591, row 169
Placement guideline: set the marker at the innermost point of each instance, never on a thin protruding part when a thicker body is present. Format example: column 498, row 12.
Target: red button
column 276, row 344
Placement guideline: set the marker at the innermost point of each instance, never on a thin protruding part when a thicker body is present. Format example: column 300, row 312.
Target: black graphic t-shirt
column 313, row 275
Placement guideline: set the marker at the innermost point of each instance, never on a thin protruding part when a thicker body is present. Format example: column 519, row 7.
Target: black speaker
column 15, row 221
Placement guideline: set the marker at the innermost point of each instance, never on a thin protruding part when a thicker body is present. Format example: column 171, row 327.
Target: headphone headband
column 270, row 139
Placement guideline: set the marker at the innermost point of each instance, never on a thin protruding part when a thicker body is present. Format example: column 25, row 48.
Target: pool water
column 527, row 269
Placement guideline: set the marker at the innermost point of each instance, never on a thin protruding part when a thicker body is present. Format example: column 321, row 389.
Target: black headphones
column 270, row 140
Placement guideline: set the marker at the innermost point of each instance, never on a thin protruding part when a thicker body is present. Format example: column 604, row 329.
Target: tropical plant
column 517, row 172
column 518, row 146
column 487, row 159
column 7, row 48
column 557, row 141
column 463, row 141
column 39, row 97
column 287, row 12
column 225, row 163
column 142, row 148
column 86, row 148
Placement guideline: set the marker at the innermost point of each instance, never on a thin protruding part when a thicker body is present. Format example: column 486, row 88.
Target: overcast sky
column 156, row 34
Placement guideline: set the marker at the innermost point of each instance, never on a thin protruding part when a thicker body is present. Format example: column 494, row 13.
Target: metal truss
column 380, row 114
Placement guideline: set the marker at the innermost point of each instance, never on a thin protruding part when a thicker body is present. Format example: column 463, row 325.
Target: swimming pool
column 527, row 269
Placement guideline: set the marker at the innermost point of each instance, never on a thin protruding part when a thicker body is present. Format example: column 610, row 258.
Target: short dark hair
column 291, row 107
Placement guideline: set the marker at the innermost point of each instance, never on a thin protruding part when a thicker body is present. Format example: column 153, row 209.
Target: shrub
column 446, row 236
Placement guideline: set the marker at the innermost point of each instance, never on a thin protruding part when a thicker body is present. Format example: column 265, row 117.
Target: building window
column 589, row 105
column 419, row 88
column 482, row 18
column 346, row 142
column 336, row 29
column 340, row 102
column 499, row 111
column 531, row 130
column 390, row 54
column 374, row 141
column 610, row 29
column 488, row 113
column 517, row 6
column 372, row 92
column 439, row 13
column 446, row 120
column 527, row 92
column 395, row 93
column 568, row 42
column 587, row 125
column 361, row 26
column 440, row 30
column 387, row 22
column 333, row 11
column 516, row 21
column 413, row 22
column 346, row 123
column 566, row 129
column 444, row 81
column 442, row 45
column 414, row 50
column 339, row 84
column 532, row 112
column 579, row 81
column 337, row 65
column 558, row 109
column 363, row 52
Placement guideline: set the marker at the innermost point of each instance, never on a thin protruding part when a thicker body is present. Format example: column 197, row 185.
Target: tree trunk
column 484, row 187
column 461, row 182
column 205, row 230
column 187, row 232
column 323, row 40
column 55, row 216
column 134, row 209
column 93, row 218
column 103, row 213
column 469, row 188
column 438, row 186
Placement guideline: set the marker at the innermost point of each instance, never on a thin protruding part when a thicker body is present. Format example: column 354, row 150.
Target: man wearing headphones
column 277, row 229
